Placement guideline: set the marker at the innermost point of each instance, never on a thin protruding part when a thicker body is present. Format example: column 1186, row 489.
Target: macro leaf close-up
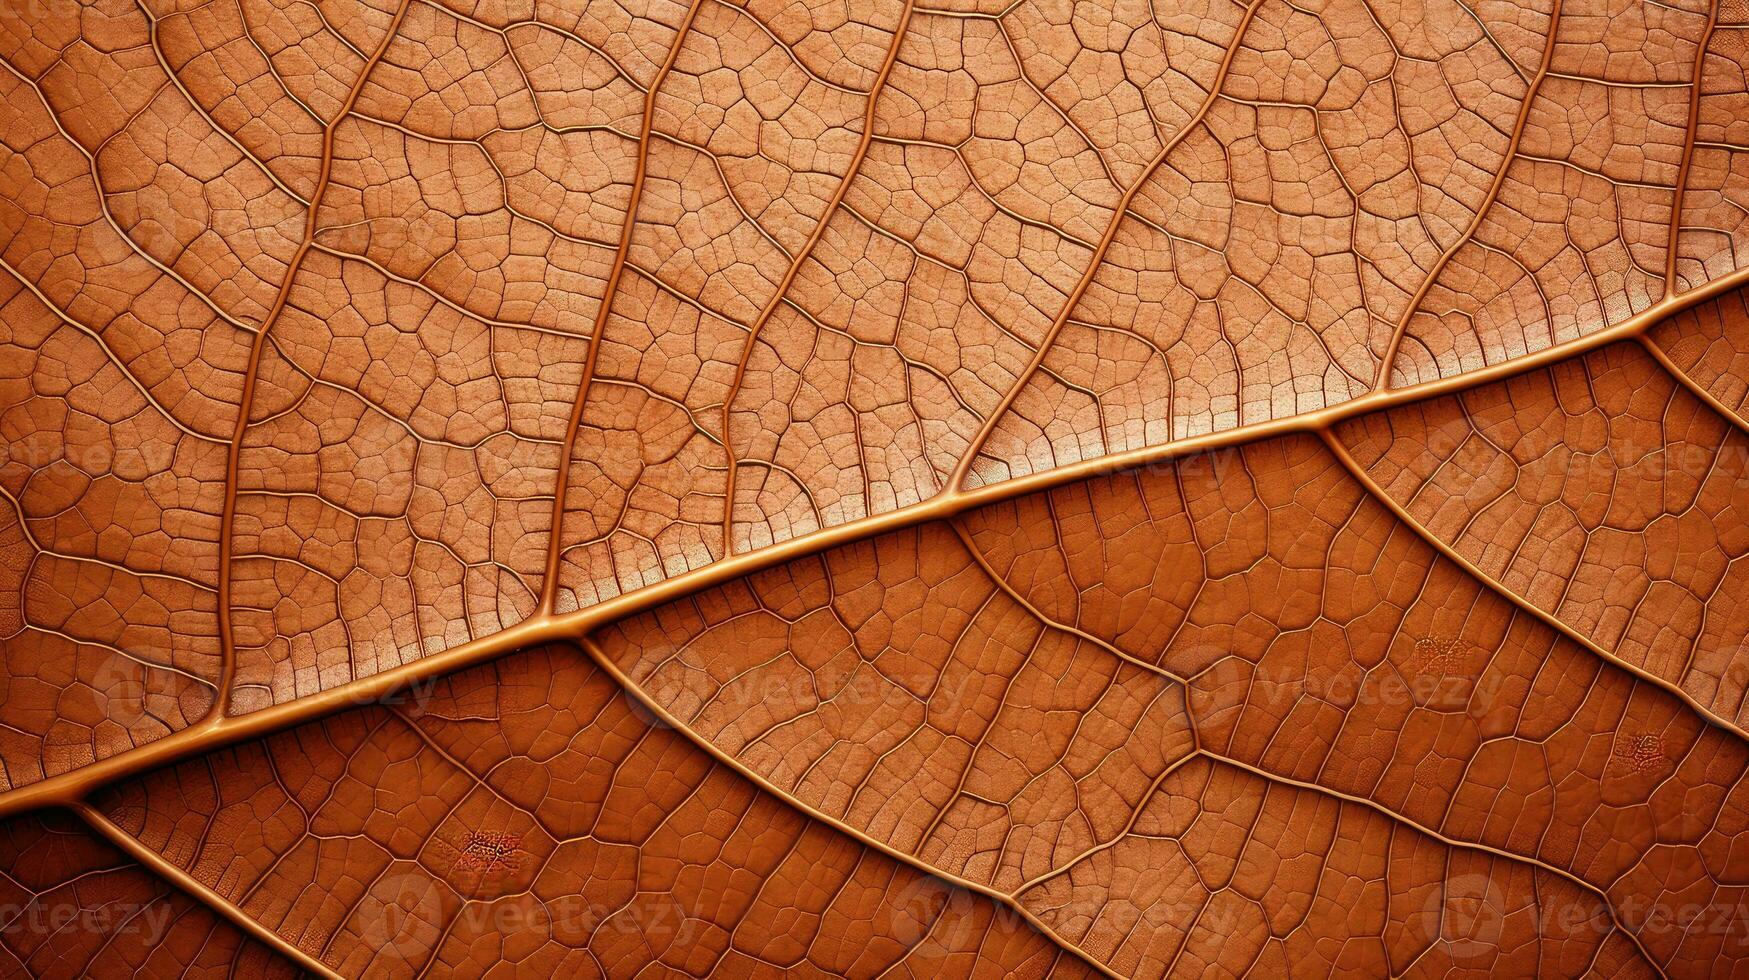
column 864, row 488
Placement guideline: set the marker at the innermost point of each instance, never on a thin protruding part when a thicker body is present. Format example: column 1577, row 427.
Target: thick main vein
column 546, row 627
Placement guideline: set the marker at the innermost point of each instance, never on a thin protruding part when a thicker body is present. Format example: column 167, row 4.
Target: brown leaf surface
column 1197, row 488
column 75, row 906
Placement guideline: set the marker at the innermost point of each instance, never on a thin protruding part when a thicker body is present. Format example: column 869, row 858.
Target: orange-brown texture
column 1174, row 488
